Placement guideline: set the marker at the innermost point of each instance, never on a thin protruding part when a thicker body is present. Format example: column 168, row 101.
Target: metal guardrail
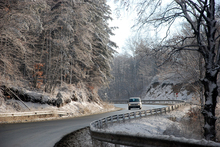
column 122, row 101
column 61, row 113
column 100, row 137
column 103, row 122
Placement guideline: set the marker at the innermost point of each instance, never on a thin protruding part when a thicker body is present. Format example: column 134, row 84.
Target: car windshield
column 133, row 100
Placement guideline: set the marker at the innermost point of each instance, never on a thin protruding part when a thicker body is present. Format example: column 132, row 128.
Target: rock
column 59, row 95
column 19, row 92
column 59, row 101
column 51, row 102
column 33, row 97
column 74, row 97
column 80, row 95
column 44, row 99
column 67, row 101
column 90, row 98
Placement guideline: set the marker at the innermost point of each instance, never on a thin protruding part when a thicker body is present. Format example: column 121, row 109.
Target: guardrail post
column 106, row 122
column 123, row 117
column 100, row 124
column 111, row 120
column 117, row 118
column 134, row 114
column 95, row 124
column 145, row 113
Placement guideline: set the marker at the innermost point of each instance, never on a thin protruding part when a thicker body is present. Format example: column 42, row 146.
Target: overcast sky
column 124, row 24
column 127, row 20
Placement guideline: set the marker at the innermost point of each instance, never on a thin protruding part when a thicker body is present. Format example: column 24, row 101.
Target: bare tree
column 200, row 14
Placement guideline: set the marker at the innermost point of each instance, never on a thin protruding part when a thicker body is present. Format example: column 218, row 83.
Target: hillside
column 68, row 98
column 54, row 46
column 172, row 86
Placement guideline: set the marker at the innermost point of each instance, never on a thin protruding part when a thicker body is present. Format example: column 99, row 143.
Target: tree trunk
column 208, row 112
column 210, row 80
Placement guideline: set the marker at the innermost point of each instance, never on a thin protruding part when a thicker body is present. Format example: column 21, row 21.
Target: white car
column 134, row 102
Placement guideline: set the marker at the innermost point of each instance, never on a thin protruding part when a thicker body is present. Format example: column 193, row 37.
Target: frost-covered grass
column 176, row 123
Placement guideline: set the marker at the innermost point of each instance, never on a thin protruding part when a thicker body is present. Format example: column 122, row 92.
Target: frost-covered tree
column 131, row 73
column 51, row 42
column 19, row 32
column 201, row 16
column 101, row 46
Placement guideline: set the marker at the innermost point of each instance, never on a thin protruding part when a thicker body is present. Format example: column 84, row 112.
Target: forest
column 45, row 44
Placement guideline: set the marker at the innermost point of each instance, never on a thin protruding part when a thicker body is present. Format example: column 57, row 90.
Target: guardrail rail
column 167, row 102
column 34, row 113
column 101, row 138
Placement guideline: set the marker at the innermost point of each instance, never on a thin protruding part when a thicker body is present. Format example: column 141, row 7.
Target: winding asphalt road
column 47, row 133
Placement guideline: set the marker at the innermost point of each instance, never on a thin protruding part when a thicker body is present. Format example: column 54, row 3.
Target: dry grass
column 108, row 105
column 193, row 123
column 189, row 126
column 32, row 118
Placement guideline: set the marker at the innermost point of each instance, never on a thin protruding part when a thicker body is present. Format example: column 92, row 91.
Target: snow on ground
column 79, row 106
column 152, row 125
column 166, row 126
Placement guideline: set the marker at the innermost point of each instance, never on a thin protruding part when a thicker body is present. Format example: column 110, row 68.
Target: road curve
column 47, row 133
